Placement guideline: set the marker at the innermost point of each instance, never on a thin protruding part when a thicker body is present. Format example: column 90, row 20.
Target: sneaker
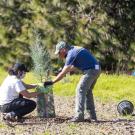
column 9, row 117
column 94, row 120
column 76, row 119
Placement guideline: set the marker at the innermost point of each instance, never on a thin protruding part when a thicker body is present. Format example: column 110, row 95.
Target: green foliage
column 105, row 27
column 108, row 87
column 15, row 18
column 115, row 87
column 68, row 88
column 40, row 57
column 43, row 89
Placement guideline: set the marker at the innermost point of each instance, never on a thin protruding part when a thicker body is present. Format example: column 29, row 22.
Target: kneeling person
column 12, row 91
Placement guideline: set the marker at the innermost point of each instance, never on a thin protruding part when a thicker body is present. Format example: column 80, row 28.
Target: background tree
column 105, row 27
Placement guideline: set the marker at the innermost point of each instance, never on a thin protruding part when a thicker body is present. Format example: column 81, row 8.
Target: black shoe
column 77, row 119
column 88, row 120
column 20, row 119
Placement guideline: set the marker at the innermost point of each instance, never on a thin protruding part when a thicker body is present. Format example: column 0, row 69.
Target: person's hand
column 48, row 83
column 41, row 89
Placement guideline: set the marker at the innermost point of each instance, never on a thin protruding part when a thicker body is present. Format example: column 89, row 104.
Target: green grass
column 107, row 88
column 114, row 87
column 66, row 87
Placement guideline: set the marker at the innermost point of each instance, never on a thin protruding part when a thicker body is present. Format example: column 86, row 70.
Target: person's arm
column 65, row 70
column 30, row 86
column 28, row 94
column 21, row 88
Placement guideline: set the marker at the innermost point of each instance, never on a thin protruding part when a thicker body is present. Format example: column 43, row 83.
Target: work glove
column 48, row 83
column 40, row 88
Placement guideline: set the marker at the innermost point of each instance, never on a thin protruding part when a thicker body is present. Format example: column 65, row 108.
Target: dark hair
column 17, row 67
column 11, row 71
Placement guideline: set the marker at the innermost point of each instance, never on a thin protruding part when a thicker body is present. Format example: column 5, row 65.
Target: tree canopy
column 105, row 27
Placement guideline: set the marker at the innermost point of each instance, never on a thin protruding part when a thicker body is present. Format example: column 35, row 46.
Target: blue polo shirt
column 80, row 58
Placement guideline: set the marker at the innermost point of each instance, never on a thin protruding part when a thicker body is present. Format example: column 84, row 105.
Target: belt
column 96, row 67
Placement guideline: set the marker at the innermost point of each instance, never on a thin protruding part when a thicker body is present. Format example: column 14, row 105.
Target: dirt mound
column 109, row 122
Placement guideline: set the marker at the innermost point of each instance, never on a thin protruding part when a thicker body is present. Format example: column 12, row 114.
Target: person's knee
column 33, row 104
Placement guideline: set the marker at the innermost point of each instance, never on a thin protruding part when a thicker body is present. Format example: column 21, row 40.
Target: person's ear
column 64, row 50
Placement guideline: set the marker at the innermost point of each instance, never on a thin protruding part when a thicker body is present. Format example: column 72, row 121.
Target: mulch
column 109, row 121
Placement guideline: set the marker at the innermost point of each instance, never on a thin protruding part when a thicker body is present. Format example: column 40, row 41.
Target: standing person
column 12, row 90
column 81, row 58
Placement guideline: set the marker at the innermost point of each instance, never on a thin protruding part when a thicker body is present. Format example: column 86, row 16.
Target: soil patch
column 109, row 123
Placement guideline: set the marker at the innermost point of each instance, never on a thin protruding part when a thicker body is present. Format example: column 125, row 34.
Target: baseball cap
column 20, row 66
column 59, row 46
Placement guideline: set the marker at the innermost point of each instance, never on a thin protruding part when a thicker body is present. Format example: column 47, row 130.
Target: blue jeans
column 84, row 94
column 19, row 106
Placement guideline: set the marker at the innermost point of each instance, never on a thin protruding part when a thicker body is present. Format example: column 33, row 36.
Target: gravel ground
column 110, row 123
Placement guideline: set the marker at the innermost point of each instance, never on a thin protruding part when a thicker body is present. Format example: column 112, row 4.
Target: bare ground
column 110, row 123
